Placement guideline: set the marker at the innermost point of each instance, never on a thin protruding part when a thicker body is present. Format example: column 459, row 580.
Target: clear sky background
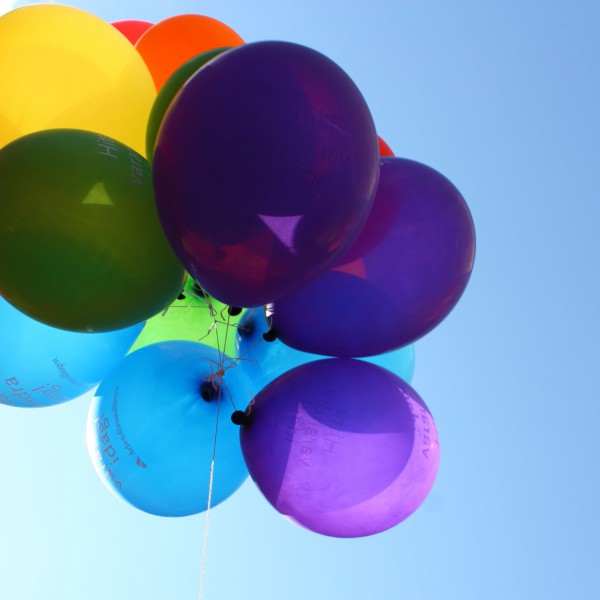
column 503, row 98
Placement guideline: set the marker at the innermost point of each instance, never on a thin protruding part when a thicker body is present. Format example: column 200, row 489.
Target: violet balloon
column 342, row 447
column 400, row 279
column 264, row 360
column 265, row 168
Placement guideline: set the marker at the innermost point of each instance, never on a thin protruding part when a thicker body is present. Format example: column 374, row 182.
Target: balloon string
column 223, row 356
column 209, row 499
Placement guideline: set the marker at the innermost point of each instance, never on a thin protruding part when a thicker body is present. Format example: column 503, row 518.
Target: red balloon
column 132, row 30
column 384, row 149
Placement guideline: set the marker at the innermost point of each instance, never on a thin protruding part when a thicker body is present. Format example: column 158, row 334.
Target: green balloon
column 194, row 317
column 81, row 245
column 169, row 91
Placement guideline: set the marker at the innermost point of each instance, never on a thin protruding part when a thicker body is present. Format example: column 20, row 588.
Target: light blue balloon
column 265, row 361
column 43, row 366
column 151, row 428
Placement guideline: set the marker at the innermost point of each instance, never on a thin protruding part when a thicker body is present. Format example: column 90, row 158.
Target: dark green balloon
column 169, row 91
column 81, row 245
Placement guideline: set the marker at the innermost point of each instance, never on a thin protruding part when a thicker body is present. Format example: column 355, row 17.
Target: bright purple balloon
column 342, row 447
column 400, row 279
column 265, row 169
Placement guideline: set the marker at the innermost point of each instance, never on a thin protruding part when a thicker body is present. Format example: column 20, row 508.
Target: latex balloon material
column 169, row 90
column 132, row 30
column 265, row 169
column 43, row 366
column 172, row 42
column 384, row 149
column 151, row 429
column 266, row 360
column 195, row 317
column 64, row 67
column 341, row 447
column 401, row 278
column 81, row 246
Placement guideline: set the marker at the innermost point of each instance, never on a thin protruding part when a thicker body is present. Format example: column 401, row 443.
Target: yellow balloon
column 62, row 67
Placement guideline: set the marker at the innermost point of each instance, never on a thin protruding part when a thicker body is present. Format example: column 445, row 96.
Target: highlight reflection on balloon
column 81, row 245
column 64, row 67
column 265, row 168
column 341, row 447
column 400, row 279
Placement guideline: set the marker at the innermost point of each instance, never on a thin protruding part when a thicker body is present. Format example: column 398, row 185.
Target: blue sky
column 502, row 98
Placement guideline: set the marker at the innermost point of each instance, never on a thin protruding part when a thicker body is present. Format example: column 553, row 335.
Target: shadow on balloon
column 342, row 447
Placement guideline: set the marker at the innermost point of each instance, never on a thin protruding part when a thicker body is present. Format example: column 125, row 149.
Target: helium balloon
column 172, row 42
column 265, row 360
column 402, row 277
column 81, row 246
column 194, row 316
column 384, row 149
column 152, row 427
column 342, row 447
column 43, row 366
column 169, row 90
column 265, row 169
column 132, row 30
column 63, row 67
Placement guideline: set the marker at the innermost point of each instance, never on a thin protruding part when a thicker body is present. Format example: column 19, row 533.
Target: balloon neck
column 270, row 335
column 233, row 311
column 246, row 329
column 210, row 390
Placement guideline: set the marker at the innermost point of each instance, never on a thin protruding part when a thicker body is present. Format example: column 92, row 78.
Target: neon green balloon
column 193, row 317
column 81, row 245
column 169, row 90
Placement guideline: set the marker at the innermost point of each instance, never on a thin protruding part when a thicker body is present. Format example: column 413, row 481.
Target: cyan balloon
column 265, row 361
column 152, row 427
column 43, row 366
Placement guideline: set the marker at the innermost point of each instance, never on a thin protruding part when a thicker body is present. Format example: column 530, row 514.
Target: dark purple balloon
column 400, row 279
column 342, row 447
column 265, row 169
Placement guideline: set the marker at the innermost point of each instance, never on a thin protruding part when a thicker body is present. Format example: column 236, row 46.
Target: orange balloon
column 384, row 149
column 172, row 42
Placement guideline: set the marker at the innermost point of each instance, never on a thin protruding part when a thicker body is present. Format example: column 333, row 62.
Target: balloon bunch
column 269, row 186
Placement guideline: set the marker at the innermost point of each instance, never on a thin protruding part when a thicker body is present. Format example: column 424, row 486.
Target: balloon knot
column 210, row 390
column 270, row 335
column 239, row 417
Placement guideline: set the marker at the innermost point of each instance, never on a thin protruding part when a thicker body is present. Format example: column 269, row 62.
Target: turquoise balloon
column 265, row 361
column 43, row 366
column 151, row 428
